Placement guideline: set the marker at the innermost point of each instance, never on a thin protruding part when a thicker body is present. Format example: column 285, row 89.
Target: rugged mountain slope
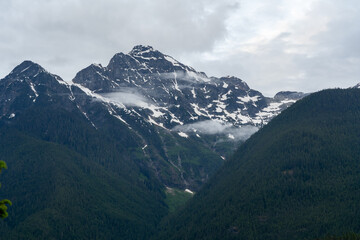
column 296, row 178
column 156, row 88
column 36, row 100
column 175, row 94
column 77, row 167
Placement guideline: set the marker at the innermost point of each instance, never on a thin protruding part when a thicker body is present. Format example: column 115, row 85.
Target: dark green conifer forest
column 68, row 181
column 296, row 178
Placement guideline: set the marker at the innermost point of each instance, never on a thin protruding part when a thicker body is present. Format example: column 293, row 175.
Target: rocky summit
column 168, row 93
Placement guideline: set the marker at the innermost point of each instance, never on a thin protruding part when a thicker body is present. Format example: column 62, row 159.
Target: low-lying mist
column 212, row 127
column 183, row 76
column 129, row 97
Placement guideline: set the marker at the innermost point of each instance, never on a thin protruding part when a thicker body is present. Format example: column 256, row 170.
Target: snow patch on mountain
column 173, row 61
column 247, row 98
column 34, row 90
column 182, row 134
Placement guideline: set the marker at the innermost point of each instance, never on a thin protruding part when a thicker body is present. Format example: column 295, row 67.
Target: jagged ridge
column 178, row 93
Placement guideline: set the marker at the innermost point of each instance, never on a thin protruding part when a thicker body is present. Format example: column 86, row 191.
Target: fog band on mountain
column 212, row 127
column 129, row 97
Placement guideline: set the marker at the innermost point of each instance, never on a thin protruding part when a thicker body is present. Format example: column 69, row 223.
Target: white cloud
column 129, row 97
column 212, row 127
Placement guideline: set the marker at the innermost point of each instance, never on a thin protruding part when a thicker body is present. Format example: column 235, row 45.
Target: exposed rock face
column 179, row 93
column 283, row 95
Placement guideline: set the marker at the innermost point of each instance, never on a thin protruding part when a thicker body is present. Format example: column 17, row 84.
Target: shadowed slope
column 297, row 178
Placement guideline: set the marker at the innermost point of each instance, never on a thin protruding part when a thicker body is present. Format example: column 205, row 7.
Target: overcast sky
column 273, row 45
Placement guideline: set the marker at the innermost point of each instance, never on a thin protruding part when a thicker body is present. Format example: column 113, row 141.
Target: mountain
column 221, row 112
column 175, row 94
column 112, row 153
column 79, row 170
column 296, row 178
column 29, row 87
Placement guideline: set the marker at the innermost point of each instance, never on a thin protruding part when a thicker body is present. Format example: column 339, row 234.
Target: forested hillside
column 60, row 193
column 296, row 178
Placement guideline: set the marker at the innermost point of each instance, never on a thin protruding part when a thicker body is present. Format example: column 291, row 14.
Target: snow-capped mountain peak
column 169, row 93
column 153, row 88
column 26, row 68
column 140, row 50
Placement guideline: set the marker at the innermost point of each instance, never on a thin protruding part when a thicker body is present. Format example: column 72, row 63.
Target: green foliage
column 176, row 198
column 3, row 207
column 2, row 165
column 198, row 162
column 296, row 178
column 221, row 144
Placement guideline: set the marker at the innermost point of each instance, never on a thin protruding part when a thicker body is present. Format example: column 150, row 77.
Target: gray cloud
column 65, row 36
column 272, row 45
column 292, row 45
column 212, row 127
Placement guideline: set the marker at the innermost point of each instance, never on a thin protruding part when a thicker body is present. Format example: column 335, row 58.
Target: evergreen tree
column 3, row 207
